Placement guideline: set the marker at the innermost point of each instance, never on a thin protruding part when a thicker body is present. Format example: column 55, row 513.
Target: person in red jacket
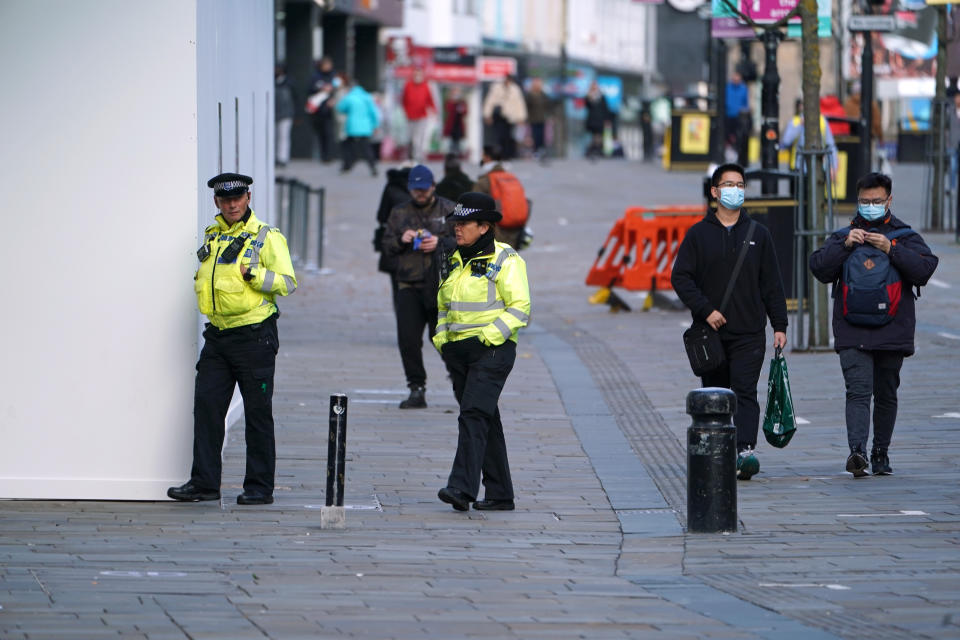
column 418, row 105
column 454, row 119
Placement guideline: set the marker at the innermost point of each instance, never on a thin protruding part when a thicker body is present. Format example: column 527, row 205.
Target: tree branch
column 762, row 27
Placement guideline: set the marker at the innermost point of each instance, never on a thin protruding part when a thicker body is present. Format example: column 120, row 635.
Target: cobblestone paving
column 817, row 555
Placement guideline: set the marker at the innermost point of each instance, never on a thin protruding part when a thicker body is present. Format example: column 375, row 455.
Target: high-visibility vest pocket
column 201, row 287
column 231, row 296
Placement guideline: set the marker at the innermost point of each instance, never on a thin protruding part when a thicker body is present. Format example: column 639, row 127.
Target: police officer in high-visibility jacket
column 484, row 299
column 244, row 266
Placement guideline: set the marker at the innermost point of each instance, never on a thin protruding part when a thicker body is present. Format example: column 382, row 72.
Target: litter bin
column 693, row 138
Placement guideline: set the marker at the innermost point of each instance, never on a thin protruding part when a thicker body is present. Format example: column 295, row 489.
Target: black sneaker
column 857, row 463
column 416, row 399
column 880, row 462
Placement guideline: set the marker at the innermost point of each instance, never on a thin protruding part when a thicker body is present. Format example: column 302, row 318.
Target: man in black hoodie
column 871, row 354
column 705, row 262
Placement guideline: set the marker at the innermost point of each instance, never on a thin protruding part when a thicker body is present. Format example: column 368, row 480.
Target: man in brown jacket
column 416, row 236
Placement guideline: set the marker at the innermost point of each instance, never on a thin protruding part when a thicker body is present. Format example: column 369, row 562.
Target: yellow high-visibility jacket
column 222, row 293
column 492, row 304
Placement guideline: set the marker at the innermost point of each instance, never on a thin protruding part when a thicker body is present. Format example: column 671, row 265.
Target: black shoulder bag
column 701, row 341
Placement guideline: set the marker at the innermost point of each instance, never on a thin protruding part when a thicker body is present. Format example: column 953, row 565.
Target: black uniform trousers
column 355, row 147
column 243, row 356
column 479, row 373
column 740, row 374
column 416, row 308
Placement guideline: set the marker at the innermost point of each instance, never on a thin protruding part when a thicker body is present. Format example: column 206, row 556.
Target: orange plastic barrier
column 639, row 251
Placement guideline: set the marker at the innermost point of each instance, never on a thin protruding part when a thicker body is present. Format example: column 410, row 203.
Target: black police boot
column 880, row 462
column 857, row 463
column 190, row 492
column 416, row 399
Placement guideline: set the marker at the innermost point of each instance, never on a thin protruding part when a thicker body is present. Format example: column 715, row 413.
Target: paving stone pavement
column 594, row 414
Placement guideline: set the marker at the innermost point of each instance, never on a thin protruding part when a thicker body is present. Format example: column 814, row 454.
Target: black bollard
column 336, row 450
column 711, row 461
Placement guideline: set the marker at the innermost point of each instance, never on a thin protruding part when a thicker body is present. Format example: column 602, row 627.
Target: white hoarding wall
column 101, row 183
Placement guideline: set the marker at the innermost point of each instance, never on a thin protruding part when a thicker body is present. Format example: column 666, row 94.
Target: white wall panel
column 101, row 165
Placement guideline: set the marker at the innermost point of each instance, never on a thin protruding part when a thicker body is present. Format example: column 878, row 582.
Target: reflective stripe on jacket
column 222, row 294
column 492, row 306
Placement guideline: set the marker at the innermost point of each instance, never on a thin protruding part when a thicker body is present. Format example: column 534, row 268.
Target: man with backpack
column 875, row 264
column 508, row 192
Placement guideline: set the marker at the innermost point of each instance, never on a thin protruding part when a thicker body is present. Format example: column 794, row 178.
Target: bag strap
column 736, row 267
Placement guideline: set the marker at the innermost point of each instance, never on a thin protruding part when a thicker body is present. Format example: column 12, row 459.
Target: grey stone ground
column 594, row 417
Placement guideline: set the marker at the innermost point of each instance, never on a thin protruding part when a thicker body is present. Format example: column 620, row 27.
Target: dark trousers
column 479, row 373
column 740, row 374
column 357, row 147
column 869, row 374
column 242, row 356
column 537, row 133
column 415, row 310
column 325, row 128
column 503, row 134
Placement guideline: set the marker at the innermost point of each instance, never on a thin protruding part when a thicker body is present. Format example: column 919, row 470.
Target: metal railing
column 300, row 216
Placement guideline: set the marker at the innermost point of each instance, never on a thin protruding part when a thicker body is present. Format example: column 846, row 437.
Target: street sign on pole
column 872, row 23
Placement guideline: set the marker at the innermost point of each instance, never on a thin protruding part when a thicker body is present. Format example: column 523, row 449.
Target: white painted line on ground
column 940, row 284
column 144, row 574
column 948, row 336
column 373, row 401
column 902, row 512
column 949, row 414
column 354, row 507
column 800, row 420
column 374, row 392
column 805, row 585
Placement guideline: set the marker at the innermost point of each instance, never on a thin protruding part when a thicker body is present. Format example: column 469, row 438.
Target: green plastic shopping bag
column 779, row 423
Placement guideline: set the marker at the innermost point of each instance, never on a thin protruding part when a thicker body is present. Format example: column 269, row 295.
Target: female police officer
column 483, row 301
column 244, row 266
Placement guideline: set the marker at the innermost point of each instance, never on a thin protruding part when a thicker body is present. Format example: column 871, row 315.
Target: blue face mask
column 731, row 197
column 872, row 211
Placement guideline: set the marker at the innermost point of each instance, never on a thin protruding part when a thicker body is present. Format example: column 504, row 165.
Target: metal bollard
column 711, row 461
column 332, row 516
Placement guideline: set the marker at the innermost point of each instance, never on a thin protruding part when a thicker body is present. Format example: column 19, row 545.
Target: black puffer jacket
column 912, row 258
column 705, row 260
column 395, row 192
column 415, row 267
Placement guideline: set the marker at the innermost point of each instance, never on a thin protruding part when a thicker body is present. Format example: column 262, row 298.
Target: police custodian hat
column 228, row 185
column 475, row 206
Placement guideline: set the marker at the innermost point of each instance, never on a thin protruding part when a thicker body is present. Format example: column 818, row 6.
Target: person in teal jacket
column 363, row 118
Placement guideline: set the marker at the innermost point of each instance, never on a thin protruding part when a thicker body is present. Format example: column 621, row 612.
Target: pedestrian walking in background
column 853, row 108
column 598, row 118
column 455, row 119
column 504, row 108
column 737, row 103
column 362, row 119
column 953, row 139
column 793, row 138
column 539, row 108
column 483, row 301
column 455, row 182
column 285, row 105
column 395, row 192
column 508, row 194
column 415, row 232
column 244, row 266
column 320, row 107
column 418, row 105
column 872, row 339
column 701, row 276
